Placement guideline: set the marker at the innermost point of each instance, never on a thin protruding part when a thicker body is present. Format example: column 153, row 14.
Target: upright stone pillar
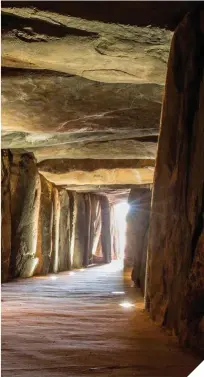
column 175, row 239
column 25, row 204
column 5, row 215
column 105, row 229
column 64, row 231
column 44, row 245
column 88, row 220
column 78, row 243
column 95, row 225
column 136, row 234
column 54, row 266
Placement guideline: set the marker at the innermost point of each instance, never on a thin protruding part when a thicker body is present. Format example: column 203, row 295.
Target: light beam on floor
column 127, row 304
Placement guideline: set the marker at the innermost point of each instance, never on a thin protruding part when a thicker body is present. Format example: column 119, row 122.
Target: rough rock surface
column 162, row 15
column 98, row 177
column 177, row 206
column 115, row 149
column 77, row 88
column 105, row 229
column 136, row 234
column 5, row 215
column 108, row 78
column 80, row 47
column 192, row 325
column 54, row 266
column 64, row 232
column 89, row 165
column 25, row 204
column 44, row 245
column 78, row 242
column 44, row 228
column 98, row 110
column 88, row 171
column 95, row 230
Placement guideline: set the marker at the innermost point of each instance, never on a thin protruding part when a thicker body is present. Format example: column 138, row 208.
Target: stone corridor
column 72, row 324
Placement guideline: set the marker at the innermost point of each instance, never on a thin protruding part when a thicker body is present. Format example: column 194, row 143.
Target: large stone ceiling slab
column 94, row 50
column 66, row 172
column 37, row 102
column 82, row 89
column 98, row 177
column 73, row 117
column 121, row 149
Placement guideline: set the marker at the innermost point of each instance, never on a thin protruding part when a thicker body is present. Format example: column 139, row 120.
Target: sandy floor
column 74, row 326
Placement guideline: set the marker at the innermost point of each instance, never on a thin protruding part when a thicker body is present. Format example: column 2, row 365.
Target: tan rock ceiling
column 74, row 88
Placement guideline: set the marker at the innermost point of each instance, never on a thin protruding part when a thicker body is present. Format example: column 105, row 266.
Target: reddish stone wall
column 175, row 240
column 44, row 228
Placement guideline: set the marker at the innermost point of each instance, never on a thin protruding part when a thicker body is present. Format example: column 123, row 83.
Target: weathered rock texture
column 115, row 247
column 54, row 234
column 88, row 229
column 44, row 245
column 46, row 228
column 162, row 15
column 88, row 171
column 25, row 203
column 87, row 250
column 78, row 243
column 136, row 234
column 99, row 110
column 54, row 266
column 109, row 81
column 175, row 278
column 64, row 232
column 95, row 224
column 105, row 229
column 192, row 318
column 80, row 47
column 5, row 215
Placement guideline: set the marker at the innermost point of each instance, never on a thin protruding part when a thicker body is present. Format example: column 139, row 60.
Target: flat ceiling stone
column 115, row 149
column 99, row 176
column 78, row 92
column 32, row 38
column 39, row 103
column 96, row 172
column 88, row 165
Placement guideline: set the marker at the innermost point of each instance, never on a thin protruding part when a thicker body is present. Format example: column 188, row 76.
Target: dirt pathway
column 74, row 326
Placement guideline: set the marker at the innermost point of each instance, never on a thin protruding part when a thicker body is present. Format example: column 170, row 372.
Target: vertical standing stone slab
column 192, row 318
column 44, row 245
column 64, row 231
column 87, row 249
column 105, row 229
column 25, row 204
column 136, row 234
column 78, row 242
column 178, row 194
column 96, row 225
column 54, row 266
column 5, row 215
column 113, row 234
